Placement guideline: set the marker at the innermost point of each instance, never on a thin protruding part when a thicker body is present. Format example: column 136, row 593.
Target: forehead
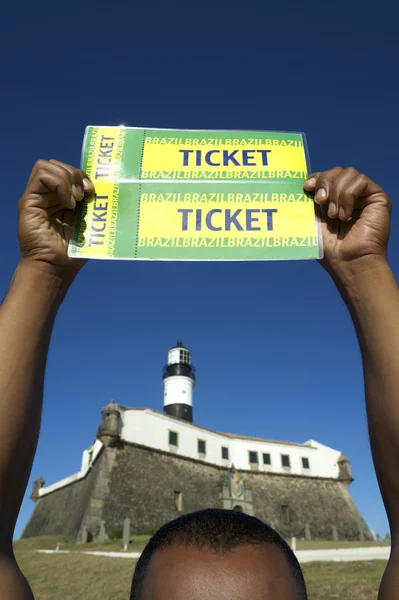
column 246, row 573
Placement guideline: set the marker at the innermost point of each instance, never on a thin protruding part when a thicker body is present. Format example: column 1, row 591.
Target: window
column 179, row 501
column 184, row 356
column 225, row 453
column 285, row 511
column 266, row 459
column 253, row 458
column 305, row 463
column 201, row 447
column 285, row 460
column 173, row 438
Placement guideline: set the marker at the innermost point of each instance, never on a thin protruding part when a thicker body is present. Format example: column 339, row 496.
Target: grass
column 76, row 576
column 137, row 543
column 343, row 581
column 323, row 545
column 84, row 577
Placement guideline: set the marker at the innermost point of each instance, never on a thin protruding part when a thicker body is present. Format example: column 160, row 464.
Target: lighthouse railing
column 179, row 369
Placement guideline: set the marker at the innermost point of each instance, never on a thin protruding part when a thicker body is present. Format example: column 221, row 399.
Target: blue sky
column 274, row 348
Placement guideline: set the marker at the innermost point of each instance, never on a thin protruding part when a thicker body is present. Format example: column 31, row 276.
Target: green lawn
column 344, row 581
column 322, row 545
column 83, row 577
column 139, row 541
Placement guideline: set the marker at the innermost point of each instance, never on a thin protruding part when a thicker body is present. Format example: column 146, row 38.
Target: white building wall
column 88, row 458
column 152, row 429
column 324, row 455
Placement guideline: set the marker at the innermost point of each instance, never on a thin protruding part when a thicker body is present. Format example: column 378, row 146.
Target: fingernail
column 77, row 192
column 321, row 195
column 332, row 209
column 311, row 182
column 342, row 213
column 73, row 202
column 87, row 185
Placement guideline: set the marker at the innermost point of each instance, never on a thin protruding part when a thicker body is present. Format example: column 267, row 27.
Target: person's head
column 217, row 554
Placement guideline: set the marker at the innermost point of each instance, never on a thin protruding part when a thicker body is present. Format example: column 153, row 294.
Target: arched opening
column 238, row 508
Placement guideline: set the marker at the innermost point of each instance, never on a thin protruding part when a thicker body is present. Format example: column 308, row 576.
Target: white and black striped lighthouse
column 178, row 383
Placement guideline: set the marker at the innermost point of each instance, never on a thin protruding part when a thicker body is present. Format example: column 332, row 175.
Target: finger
column 340, row 198
column 77, row 177
column 77, row 189
column 52, row 178
column 80, row 184
column 88, row 185
column 370, row 194
column 311, row 181
column 324, row 183
column 349, row 195
column 51, row 166
column 68, row 224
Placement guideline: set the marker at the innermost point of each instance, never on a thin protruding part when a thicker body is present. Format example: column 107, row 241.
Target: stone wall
column 144, row 485
column 100, row 492
column 144, row 482
column 321, row 504
column 61, row 512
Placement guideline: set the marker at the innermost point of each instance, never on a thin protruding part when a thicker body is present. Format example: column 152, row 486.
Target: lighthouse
column 178, row 383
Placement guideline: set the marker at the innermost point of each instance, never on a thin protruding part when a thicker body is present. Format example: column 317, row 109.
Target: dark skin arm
column 355, row 238
column 43, row 276
column 355, row 256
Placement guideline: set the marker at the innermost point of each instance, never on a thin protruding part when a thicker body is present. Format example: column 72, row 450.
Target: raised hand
column 356, row 223
column 47, row 216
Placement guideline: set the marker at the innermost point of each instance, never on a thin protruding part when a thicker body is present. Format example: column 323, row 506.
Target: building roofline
column 256, row 439
column 228, row 435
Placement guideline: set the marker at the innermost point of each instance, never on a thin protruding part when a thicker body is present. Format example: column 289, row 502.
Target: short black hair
column 219, row 530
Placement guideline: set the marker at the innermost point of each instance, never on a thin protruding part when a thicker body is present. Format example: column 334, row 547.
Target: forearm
column 26, row 321
column 372, row 295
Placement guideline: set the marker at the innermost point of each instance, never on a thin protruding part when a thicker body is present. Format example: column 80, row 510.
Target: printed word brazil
column 225, row 158
column 217, row 219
